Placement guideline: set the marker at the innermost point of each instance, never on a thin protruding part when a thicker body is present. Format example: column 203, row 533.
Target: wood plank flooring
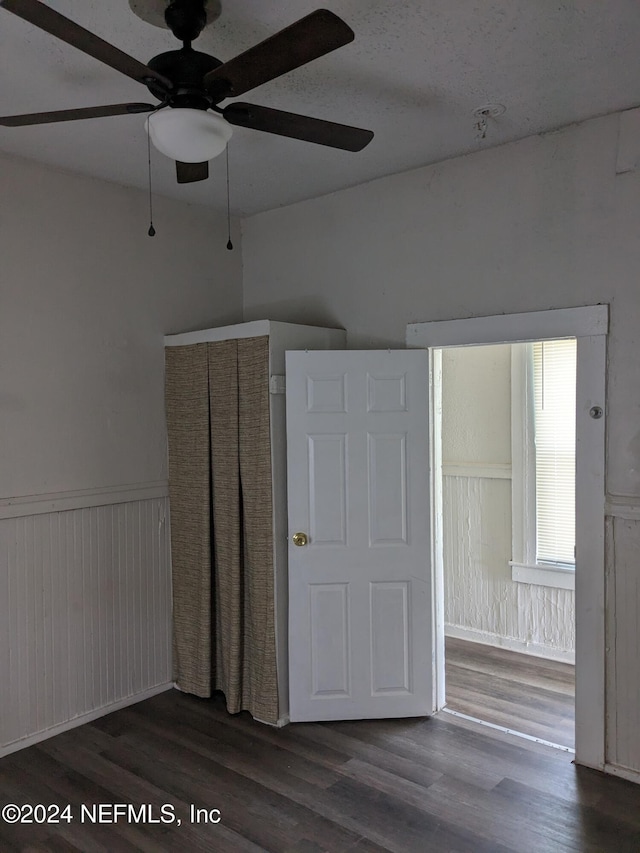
column 521, row 692
column 403, row 786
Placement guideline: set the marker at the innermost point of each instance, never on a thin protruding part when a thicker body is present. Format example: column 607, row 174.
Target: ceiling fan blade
column 298, row 126
column 73, row 115
column 53, row 22
column 310, row 37
column 189, row 172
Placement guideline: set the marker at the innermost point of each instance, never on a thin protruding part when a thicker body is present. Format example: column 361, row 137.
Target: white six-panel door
column 360, row 599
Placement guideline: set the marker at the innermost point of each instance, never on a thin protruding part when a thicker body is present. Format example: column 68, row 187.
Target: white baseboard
column 623, row 773
column 513, row 645
column 31, row 740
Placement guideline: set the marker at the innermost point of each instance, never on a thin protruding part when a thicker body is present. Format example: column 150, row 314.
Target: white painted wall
column 542, row 223
column 85, row 300
column 476, row 406
column 482, row 602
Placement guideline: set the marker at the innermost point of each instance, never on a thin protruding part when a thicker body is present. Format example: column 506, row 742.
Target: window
column 543, row 462
column 554, row 381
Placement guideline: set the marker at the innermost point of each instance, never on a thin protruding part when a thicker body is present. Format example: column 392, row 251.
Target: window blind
column 554, row 375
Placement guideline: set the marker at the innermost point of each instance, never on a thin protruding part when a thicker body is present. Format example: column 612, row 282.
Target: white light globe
column 187, row 135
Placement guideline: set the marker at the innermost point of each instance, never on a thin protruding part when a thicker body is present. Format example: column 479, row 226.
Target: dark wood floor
column 521, row 692
column 407, row 786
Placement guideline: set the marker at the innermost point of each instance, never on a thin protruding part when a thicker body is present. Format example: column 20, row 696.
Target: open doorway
column 589, row 325
column 508, row 535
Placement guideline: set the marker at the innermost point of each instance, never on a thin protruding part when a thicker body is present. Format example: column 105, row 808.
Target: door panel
column 360, row 623
column 327, row 489
column 387, row 489
column 390, row 637
column 326, row 393
column 330, row 652
column 387, row 393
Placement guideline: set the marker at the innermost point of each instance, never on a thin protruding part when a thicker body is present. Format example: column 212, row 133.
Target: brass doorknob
column 299, row 539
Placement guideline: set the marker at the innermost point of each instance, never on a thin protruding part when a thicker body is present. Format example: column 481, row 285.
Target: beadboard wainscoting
column 623, row 658
column 482, row 602
column 85, row 608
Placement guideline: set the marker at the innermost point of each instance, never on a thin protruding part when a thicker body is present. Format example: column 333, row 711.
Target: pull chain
column 152, row 231
column 229, row 243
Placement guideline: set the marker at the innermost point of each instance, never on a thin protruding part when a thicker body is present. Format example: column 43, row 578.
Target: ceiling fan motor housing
column 186, row 68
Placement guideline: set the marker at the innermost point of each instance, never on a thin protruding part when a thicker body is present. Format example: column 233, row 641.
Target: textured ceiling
column 413, row 75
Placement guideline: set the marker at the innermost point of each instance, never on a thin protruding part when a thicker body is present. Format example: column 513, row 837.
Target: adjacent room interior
column 508, row 482
column 501, row 179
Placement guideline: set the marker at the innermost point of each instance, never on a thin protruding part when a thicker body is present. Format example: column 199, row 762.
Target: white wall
column 85, row 299
column 476, row 406
column 482, row 602
column 542, row 223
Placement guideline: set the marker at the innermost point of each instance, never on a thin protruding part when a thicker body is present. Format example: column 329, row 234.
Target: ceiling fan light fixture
column 188, row 135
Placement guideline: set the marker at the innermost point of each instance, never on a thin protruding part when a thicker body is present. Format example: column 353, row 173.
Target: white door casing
column 589, row 325
column 360, row 600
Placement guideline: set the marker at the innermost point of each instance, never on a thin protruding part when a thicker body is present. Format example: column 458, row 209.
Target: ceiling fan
column 188, row 124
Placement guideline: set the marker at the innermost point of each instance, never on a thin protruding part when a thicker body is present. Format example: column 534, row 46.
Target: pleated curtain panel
column 217, row 402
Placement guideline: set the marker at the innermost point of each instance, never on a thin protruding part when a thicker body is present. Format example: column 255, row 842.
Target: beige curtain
column 222, row 523
column 187, row 404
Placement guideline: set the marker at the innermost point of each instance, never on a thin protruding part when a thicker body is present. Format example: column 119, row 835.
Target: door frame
column 589, row 325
